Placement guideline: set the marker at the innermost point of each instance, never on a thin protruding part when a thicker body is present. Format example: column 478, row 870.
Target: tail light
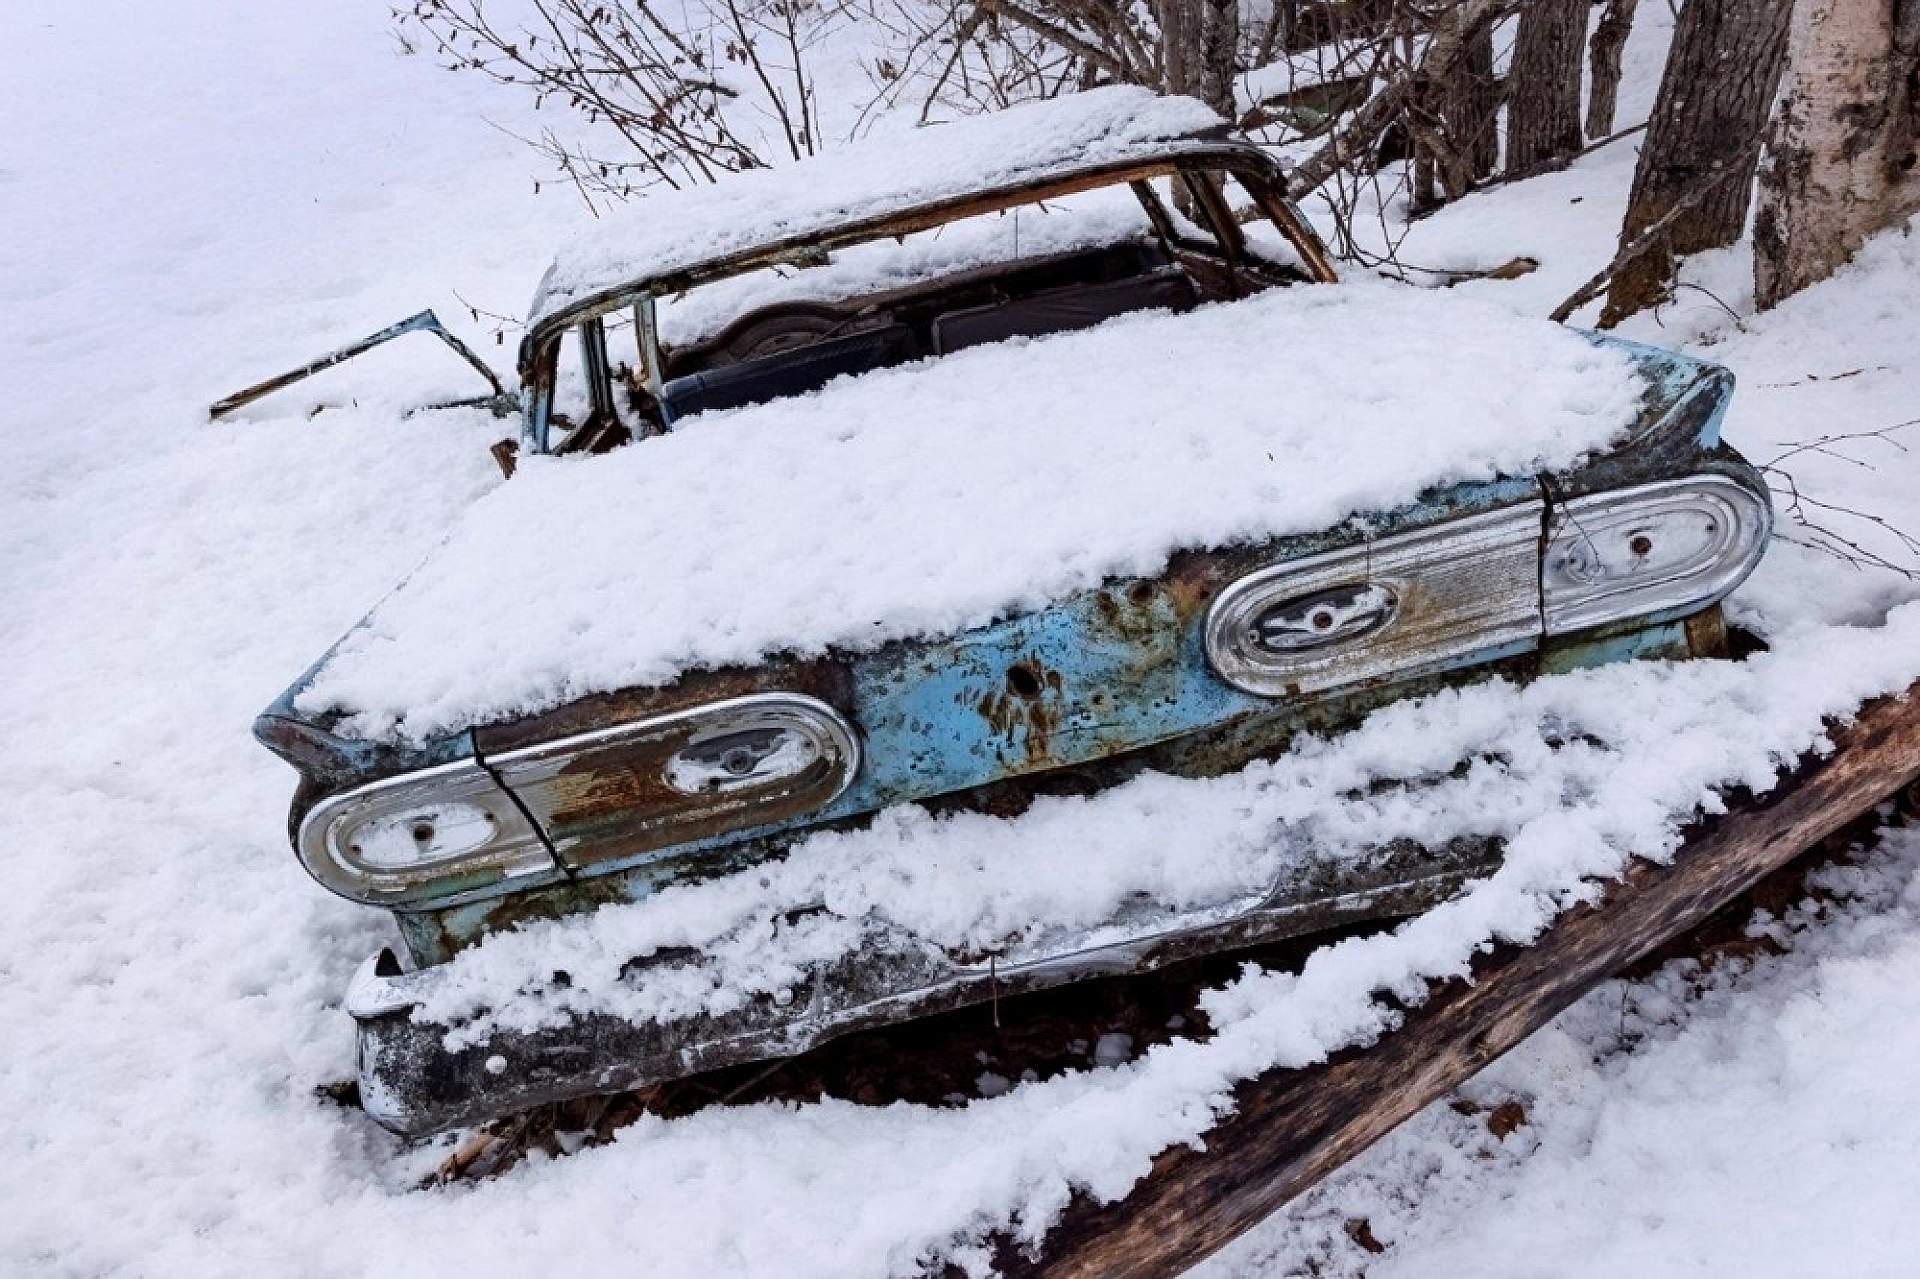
column 730, row 765
column 1468, row 589
column 1667, row 548
column 430, row 834
column 442, row 833
column 1397, row 606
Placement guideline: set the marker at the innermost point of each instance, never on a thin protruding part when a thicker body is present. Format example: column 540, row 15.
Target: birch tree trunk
column 1840, row 154
column 1543, row 102
column 1608, row 44
column 1714, row 99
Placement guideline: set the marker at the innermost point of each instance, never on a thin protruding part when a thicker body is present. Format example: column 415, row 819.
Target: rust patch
column 1026, row 712
column 598, row 789
column 1707, row 633
column 828, row 679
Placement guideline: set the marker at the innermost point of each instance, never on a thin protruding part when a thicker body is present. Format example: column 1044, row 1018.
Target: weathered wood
column 1291, row 1128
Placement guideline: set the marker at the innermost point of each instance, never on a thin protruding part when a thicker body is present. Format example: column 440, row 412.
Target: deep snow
column 191, row 203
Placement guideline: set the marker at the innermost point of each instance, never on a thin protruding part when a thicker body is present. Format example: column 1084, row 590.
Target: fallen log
column 1291, row 1128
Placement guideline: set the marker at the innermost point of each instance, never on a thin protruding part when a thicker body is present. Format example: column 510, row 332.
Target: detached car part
column 501, row 401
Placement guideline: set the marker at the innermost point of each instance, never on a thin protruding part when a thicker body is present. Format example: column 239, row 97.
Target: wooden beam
column 1293, row 1127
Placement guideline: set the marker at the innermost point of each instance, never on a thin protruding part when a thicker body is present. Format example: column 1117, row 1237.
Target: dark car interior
column 788, row 350
column 791, row 348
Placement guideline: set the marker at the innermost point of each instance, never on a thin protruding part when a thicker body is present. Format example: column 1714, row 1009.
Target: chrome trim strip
column 513, row 850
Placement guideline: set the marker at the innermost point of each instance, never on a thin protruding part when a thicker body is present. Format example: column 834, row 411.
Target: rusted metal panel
column 1103, row 673
column 615, row 794
column 436, row 935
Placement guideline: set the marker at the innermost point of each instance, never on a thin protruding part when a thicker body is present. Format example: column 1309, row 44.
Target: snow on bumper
column 416, row 1076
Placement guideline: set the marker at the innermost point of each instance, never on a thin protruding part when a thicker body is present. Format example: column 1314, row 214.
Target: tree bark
column 1543, row 100
column 1452, row 34
column 1714, row 99
column 1840, row 154
column 1605, row 49
column 1179, row 22
column 1424, row 196
column 1471, row 111
column 1217, row 48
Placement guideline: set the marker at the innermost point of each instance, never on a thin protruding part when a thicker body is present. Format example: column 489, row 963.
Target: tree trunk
column 1453, row 34
column 1453, row 123
column 1424, row 197
column 1609, row 42
column 1217, row 47
column 1471, row 111
column 1543, row 103
column 1179, row 43
column 1840, row 154
column 1714, row 98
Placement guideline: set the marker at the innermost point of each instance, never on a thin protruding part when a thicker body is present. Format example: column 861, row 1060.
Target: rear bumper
column 412, row 1083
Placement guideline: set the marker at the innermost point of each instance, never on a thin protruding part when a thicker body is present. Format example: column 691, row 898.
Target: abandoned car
column 1014, row 458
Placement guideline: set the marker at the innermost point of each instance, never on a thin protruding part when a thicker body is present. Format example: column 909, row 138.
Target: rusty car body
column 1219, row 659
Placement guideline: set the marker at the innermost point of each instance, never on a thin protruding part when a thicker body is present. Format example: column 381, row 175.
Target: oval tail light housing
column 1488, row 586
column 617, row 793
column 1652, row 551
column 1458, row 592
column 436, row 835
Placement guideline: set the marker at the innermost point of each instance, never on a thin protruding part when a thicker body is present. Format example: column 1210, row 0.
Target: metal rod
column 425, row 321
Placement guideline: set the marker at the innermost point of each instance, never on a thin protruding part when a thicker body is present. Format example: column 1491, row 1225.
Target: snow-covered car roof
column 880, row 176
column 929, row 499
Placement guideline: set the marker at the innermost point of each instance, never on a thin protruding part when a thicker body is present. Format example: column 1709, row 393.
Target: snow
column 1084, row 220
column 1671, row 732
column 1757, row 1119
column 879, row 175
column 252, row 182
column 1593, row 767
column 921, row 501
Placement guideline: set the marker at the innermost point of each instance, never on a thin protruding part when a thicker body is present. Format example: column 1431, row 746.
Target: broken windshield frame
column 1197, row 165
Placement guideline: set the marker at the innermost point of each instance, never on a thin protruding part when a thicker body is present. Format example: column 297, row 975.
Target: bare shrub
column 717, row 87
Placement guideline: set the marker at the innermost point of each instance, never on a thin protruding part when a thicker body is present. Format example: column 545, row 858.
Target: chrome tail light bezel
column 1473, row 589
column 510, row 809
column 335, row 837
column 618, row 793
column 1612, row 556
column 1457, row 590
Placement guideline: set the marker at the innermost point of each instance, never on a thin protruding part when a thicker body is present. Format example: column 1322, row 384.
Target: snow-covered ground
column 190, row 202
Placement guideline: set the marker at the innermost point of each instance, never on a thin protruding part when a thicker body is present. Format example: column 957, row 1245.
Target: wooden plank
column 1291, row 1128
